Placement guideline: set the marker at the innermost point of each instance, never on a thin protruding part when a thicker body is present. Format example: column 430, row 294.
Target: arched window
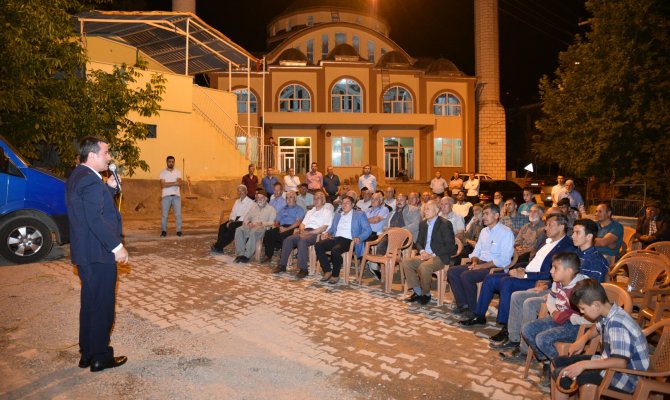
column 295, row 98
column 347, row 96
column 447, row 104
column 397, row 100
column 242, row 101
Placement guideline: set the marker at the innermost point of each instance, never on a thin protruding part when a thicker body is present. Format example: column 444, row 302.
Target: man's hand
column 576, row 348
column 517, row 273
column 121, row 256
column 111, row 182
column 425, row 256
column 573, row 371
column 357, row 240
column 324, row 235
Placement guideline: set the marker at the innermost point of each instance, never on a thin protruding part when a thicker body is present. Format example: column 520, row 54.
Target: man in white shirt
column 438, row 185
column 170, row 179
column 389, row 198
column 366, row 199
column 367, row 180
column 557, row 189
column 291, row 181
column 316, row 221
column 462, row 207
column 447, row 212
column 227, row 228
column 472, row 188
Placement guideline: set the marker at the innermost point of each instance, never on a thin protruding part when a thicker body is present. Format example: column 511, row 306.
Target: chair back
column 643, row 271
column 459, row 247
column 397, row 239
column 619, row 296
column 661, row 247
column 628, row 237
column 659, row 361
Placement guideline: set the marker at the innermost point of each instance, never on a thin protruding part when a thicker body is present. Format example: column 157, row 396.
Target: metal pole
column 230, row 76
column 262, row 133
column 188, row 28
column 248, row 109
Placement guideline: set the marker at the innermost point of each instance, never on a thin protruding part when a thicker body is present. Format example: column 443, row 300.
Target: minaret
column 183, row 6
column 491, row 114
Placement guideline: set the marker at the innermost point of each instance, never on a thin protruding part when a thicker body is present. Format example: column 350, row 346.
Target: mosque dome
column 293, row 57
column 343, row 52
column 442, row 66
column 393, row 59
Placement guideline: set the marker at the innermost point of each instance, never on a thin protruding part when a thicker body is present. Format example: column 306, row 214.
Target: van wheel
column 25, row 240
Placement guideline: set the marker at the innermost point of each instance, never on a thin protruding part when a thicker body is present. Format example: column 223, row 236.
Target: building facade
column 336, row 90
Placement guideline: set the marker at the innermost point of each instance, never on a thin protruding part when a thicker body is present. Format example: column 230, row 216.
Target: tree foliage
column 49, row 100
column 607, row 112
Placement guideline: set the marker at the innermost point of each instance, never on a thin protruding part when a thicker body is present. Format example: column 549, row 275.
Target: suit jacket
column 412, row 217
column 360, row 228
column 442, row 240
column 662, row 229
column 95, row 223
column 564, row 245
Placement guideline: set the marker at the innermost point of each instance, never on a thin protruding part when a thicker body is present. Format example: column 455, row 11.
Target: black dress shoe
column 515, row 356
column 97, row 366
column 474, row 321
column 243, row 260
column 500, row 337
column 460, row 310
column 179, row 234
column 84, row 362
column 237, row 259
column 423, row 300
column 213, row 249
column 163, row 234
column 413, row 298
column 301, row 274
column 506, row 345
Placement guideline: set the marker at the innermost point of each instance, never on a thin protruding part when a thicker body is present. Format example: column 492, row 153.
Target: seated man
column 494, row 249
column 472, row 230
column 523, row 277
column 404, row 216
column 376, row 215
column 350, row 225
column 278, row 198
column 305, row 199
column 286, row 221
column 389, row 198
column 542, row 334
column 259, row 218
column 525, row 305
column 626, row 344
column 316, row 221
column 366, row 199
column 653, row 227
column 462, row 206
column 413, row 199
column 511, row 218
column 530, row 234
column 227, row 228
column 610, row 233
column 528, row 202
column 436, row 245
column 447, row 212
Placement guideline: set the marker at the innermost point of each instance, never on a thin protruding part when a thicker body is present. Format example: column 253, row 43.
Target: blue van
column 32, row 209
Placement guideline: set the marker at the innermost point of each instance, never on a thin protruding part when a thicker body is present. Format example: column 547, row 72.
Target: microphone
column 112, row 169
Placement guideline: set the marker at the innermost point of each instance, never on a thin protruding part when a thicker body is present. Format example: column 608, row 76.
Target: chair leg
column 529, row 359
column 312, row 260
column 388, row 276
column 346, row 265
column 359, row 275
column 440, row 287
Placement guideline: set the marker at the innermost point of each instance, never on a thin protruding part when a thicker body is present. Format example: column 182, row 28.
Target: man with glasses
column 260, row 217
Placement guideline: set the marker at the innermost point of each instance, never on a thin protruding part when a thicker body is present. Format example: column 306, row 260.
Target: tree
column 48, row 100
column 607, row 112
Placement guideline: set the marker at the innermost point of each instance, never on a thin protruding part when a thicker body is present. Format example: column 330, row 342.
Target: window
column 153, row 131
column 324, row 46
column 347, row 151
column 310, row 51
column 242, row 101
column 447, row 104
column 310, row 20
column 340, row 38
column 356, row 42
column 397, row 100
column 371, row 50
column 294, row 98
column 346, row 96
column 448, row 152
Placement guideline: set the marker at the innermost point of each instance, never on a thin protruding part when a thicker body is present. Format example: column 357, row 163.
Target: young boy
column 542, row 333
column 624, row 345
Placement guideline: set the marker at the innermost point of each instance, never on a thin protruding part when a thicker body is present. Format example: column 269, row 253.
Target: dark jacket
column 564, row 245
column 95, row 223
column 662, row 229
column 442, row 241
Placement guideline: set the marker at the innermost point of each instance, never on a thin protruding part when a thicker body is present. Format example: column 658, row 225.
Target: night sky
column 532, row 32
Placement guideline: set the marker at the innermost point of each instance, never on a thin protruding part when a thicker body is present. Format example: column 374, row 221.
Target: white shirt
column 317, row 218
column 536, row 263
column 344, row 226
column 363, row 205
column 462, row 209
column 457, row 222
column 438, row 186
column 390, row 203
column 472, row 186
column 554, row 193
column 241, row 208
column 291, row 183
column 170, row 177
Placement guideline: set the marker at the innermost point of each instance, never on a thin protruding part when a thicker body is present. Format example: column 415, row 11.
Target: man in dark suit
column 652, row 227
column 95, row 235
column 436, row 245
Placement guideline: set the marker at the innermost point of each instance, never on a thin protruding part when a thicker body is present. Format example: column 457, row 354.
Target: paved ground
column 194, row 325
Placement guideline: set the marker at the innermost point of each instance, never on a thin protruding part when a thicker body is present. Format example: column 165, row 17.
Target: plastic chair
column 441, row 275
column 397, row 239
column 655, row 306
column 629, row 239
column 661, row 247
column 644, row 271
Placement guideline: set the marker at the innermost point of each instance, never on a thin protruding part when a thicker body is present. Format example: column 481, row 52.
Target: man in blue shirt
column 610, row 233
column 331, row 184
column 278, row 199
column 287, row 220
column 268, row 182
column 376, row 215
